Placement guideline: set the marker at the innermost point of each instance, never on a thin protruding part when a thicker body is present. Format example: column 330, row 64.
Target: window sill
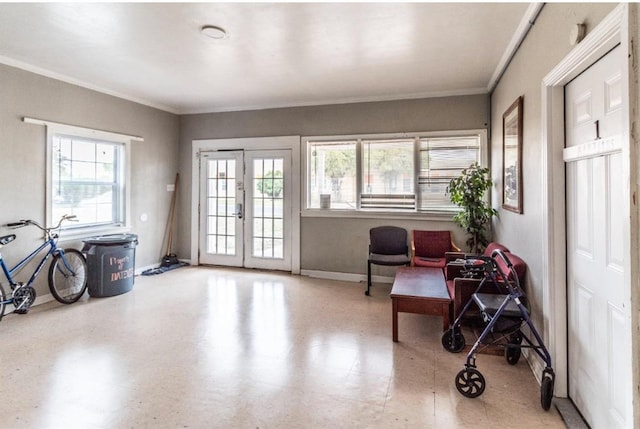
column 79, row 234
column 372, row 214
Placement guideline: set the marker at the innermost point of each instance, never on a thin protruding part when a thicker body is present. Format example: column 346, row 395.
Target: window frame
column 442, row 214
column 71, row 232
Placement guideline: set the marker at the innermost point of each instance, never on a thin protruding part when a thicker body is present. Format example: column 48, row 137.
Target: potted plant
column 468, row 192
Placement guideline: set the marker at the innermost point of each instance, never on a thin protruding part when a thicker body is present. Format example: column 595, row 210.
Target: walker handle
column 503, row 256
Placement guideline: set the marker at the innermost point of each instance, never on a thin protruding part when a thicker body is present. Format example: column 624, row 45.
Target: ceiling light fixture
column 213, row 32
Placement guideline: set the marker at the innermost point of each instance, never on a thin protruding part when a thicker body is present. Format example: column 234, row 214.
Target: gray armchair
column 387, row 246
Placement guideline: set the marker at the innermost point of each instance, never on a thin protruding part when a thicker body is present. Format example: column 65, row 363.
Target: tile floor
column 231, row 348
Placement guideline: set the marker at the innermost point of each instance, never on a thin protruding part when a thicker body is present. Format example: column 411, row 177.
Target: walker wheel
column 512, row 350
column 453, row 340
column 546, row 388
column 470, row 382
column 516, row 337
column 512, row 354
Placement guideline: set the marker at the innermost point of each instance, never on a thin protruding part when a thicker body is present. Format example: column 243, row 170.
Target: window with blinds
column 442, row 159
column 388, row 173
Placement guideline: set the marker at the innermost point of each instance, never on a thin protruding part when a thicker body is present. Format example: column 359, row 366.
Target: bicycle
column 67, row 272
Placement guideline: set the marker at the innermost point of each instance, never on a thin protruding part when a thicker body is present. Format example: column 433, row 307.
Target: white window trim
column 375, row 214
column 53, row 128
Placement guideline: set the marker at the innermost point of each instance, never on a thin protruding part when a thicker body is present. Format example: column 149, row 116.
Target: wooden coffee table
column 420, row 290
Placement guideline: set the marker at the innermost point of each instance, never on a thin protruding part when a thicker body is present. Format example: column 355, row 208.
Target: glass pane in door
column 268, row 208
column 221, row 204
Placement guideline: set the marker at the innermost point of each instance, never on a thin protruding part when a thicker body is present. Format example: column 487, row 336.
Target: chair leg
column 368, row 278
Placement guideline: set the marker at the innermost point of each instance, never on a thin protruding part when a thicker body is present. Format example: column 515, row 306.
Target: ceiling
column 274, row 55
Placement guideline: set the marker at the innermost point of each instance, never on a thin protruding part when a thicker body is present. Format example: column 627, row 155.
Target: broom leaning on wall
column 169, row 260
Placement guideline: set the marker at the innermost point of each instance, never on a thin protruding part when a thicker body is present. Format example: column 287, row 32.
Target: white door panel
column 268, row 210
column 598, row 298
column 588, row 101
column 221, row 195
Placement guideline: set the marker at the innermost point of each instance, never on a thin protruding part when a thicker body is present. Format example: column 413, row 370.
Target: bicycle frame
column 53, row 249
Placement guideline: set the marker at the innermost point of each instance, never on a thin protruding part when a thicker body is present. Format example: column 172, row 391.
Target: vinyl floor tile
column 232, row 348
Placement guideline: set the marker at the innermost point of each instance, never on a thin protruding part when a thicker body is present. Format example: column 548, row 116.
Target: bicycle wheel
column 2, row 302
column 67, row 286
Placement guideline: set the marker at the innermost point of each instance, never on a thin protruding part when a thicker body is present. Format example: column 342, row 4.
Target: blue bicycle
column 67, row 273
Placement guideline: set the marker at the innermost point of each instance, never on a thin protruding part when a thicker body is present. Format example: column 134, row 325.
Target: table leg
column 395, row 319
column 445, row 317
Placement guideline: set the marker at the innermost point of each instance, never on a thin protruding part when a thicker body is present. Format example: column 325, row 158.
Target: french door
column 245, row 209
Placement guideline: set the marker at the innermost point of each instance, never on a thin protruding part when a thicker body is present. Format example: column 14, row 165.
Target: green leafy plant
column 468, row 192
column 271, row 184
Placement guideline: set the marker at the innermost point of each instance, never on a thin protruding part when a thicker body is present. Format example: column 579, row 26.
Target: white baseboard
column 40, row 299
column 346, row 277
column 139, row 270
column 536, row 364
column 43, row 299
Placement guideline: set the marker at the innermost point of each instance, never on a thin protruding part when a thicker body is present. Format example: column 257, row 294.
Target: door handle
column 238, row 211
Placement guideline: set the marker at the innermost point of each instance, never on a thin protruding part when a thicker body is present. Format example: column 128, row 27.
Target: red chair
column 429, row 248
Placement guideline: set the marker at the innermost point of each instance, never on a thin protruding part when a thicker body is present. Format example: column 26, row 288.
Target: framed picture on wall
column 512, row 157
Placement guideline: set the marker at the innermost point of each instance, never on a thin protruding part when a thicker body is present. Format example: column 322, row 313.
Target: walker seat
column 489, row 303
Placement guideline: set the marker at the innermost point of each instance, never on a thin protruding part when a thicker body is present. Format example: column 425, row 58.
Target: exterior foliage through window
column 389, row 173
column 87, row 180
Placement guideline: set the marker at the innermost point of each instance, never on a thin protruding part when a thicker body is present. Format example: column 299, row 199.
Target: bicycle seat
column 7, row 239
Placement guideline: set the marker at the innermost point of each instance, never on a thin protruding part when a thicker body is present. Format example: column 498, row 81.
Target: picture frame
column 512, row 157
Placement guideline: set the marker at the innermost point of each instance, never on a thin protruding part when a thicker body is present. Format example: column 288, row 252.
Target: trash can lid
column 112, row 239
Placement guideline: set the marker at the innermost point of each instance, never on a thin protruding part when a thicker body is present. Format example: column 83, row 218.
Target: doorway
column 245, row 204
column 244, row 207
column 599, row 319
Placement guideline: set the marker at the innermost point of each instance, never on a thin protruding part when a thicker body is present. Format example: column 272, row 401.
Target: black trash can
column 111, row 263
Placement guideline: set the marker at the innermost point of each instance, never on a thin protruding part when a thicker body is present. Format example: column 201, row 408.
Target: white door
column 268, row 201
column 245, row 209
column 599, row 349
column 221, row 208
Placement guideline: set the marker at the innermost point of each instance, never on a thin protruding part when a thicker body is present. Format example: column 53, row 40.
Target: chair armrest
column 454, row 270
column 452, row 256
column 464, row 288
column 413, row 253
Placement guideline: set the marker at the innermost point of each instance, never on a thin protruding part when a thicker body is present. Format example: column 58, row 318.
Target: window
column 87, row 180
column 87, row 175
column 442, row 159
column 332, row 172
column 387, row 171
column 406, row 173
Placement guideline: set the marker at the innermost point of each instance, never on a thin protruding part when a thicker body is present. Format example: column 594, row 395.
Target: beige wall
column 544, row 47
column 22, row 175
column 332, row 244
